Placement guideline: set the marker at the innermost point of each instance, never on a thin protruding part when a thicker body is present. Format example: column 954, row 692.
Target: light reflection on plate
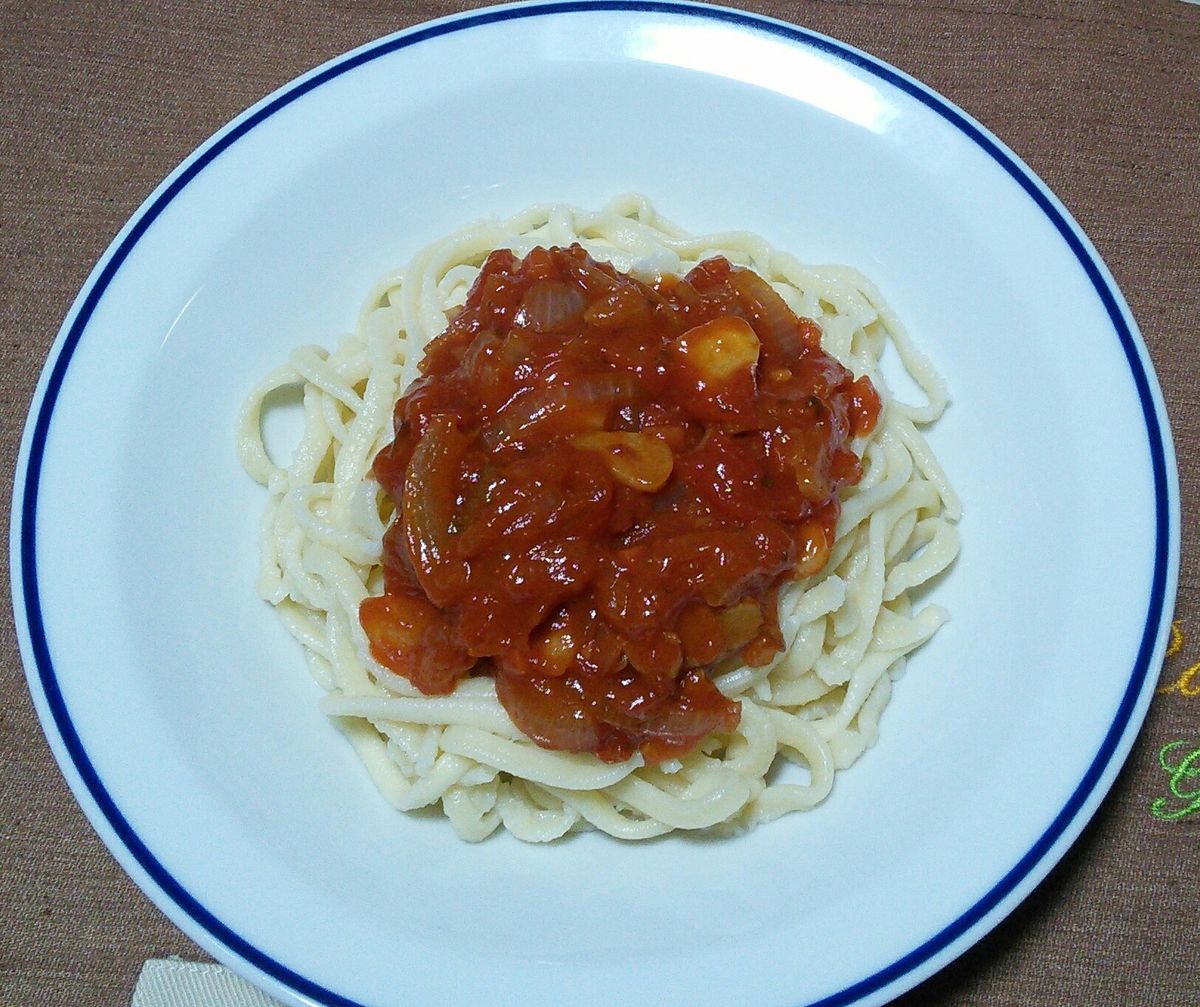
column 182, row 716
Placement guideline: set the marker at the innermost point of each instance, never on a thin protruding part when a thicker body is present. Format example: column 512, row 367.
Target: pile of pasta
column 848, row 631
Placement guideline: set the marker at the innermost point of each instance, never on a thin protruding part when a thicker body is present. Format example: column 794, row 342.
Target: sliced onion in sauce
column 590, row 401
column 428, row 507
column 776, row 322
column 550, row 306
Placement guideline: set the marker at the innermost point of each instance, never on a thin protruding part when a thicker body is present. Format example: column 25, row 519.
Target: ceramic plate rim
column 185, row 909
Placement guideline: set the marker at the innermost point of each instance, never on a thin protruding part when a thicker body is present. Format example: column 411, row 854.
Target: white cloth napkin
column 172, row 982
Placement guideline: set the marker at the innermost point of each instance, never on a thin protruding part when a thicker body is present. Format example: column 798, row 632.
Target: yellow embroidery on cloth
column 1188, row 681
column 1176, row 644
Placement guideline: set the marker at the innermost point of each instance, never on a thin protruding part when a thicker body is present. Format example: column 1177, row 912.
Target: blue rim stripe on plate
column 198, row 161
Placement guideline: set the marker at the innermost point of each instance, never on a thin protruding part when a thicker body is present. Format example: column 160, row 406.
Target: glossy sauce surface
column 600, row 485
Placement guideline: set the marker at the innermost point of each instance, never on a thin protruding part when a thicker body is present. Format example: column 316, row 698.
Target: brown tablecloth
column 99, row 101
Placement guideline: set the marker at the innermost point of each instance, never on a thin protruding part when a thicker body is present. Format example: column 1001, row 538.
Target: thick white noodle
column 814, row 710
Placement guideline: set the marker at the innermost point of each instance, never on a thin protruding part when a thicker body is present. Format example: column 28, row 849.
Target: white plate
column 184, row 719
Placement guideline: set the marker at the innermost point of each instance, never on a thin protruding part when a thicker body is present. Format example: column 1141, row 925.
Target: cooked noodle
column 848, row 631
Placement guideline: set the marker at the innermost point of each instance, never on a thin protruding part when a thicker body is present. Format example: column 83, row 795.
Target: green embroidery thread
column 1187, row 768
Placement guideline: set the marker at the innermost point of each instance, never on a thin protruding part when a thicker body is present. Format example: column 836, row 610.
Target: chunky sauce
column 600, row 486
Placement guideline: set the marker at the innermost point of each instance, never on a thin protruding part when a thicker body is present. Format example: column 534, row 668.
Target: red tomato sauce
column 600, row 485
